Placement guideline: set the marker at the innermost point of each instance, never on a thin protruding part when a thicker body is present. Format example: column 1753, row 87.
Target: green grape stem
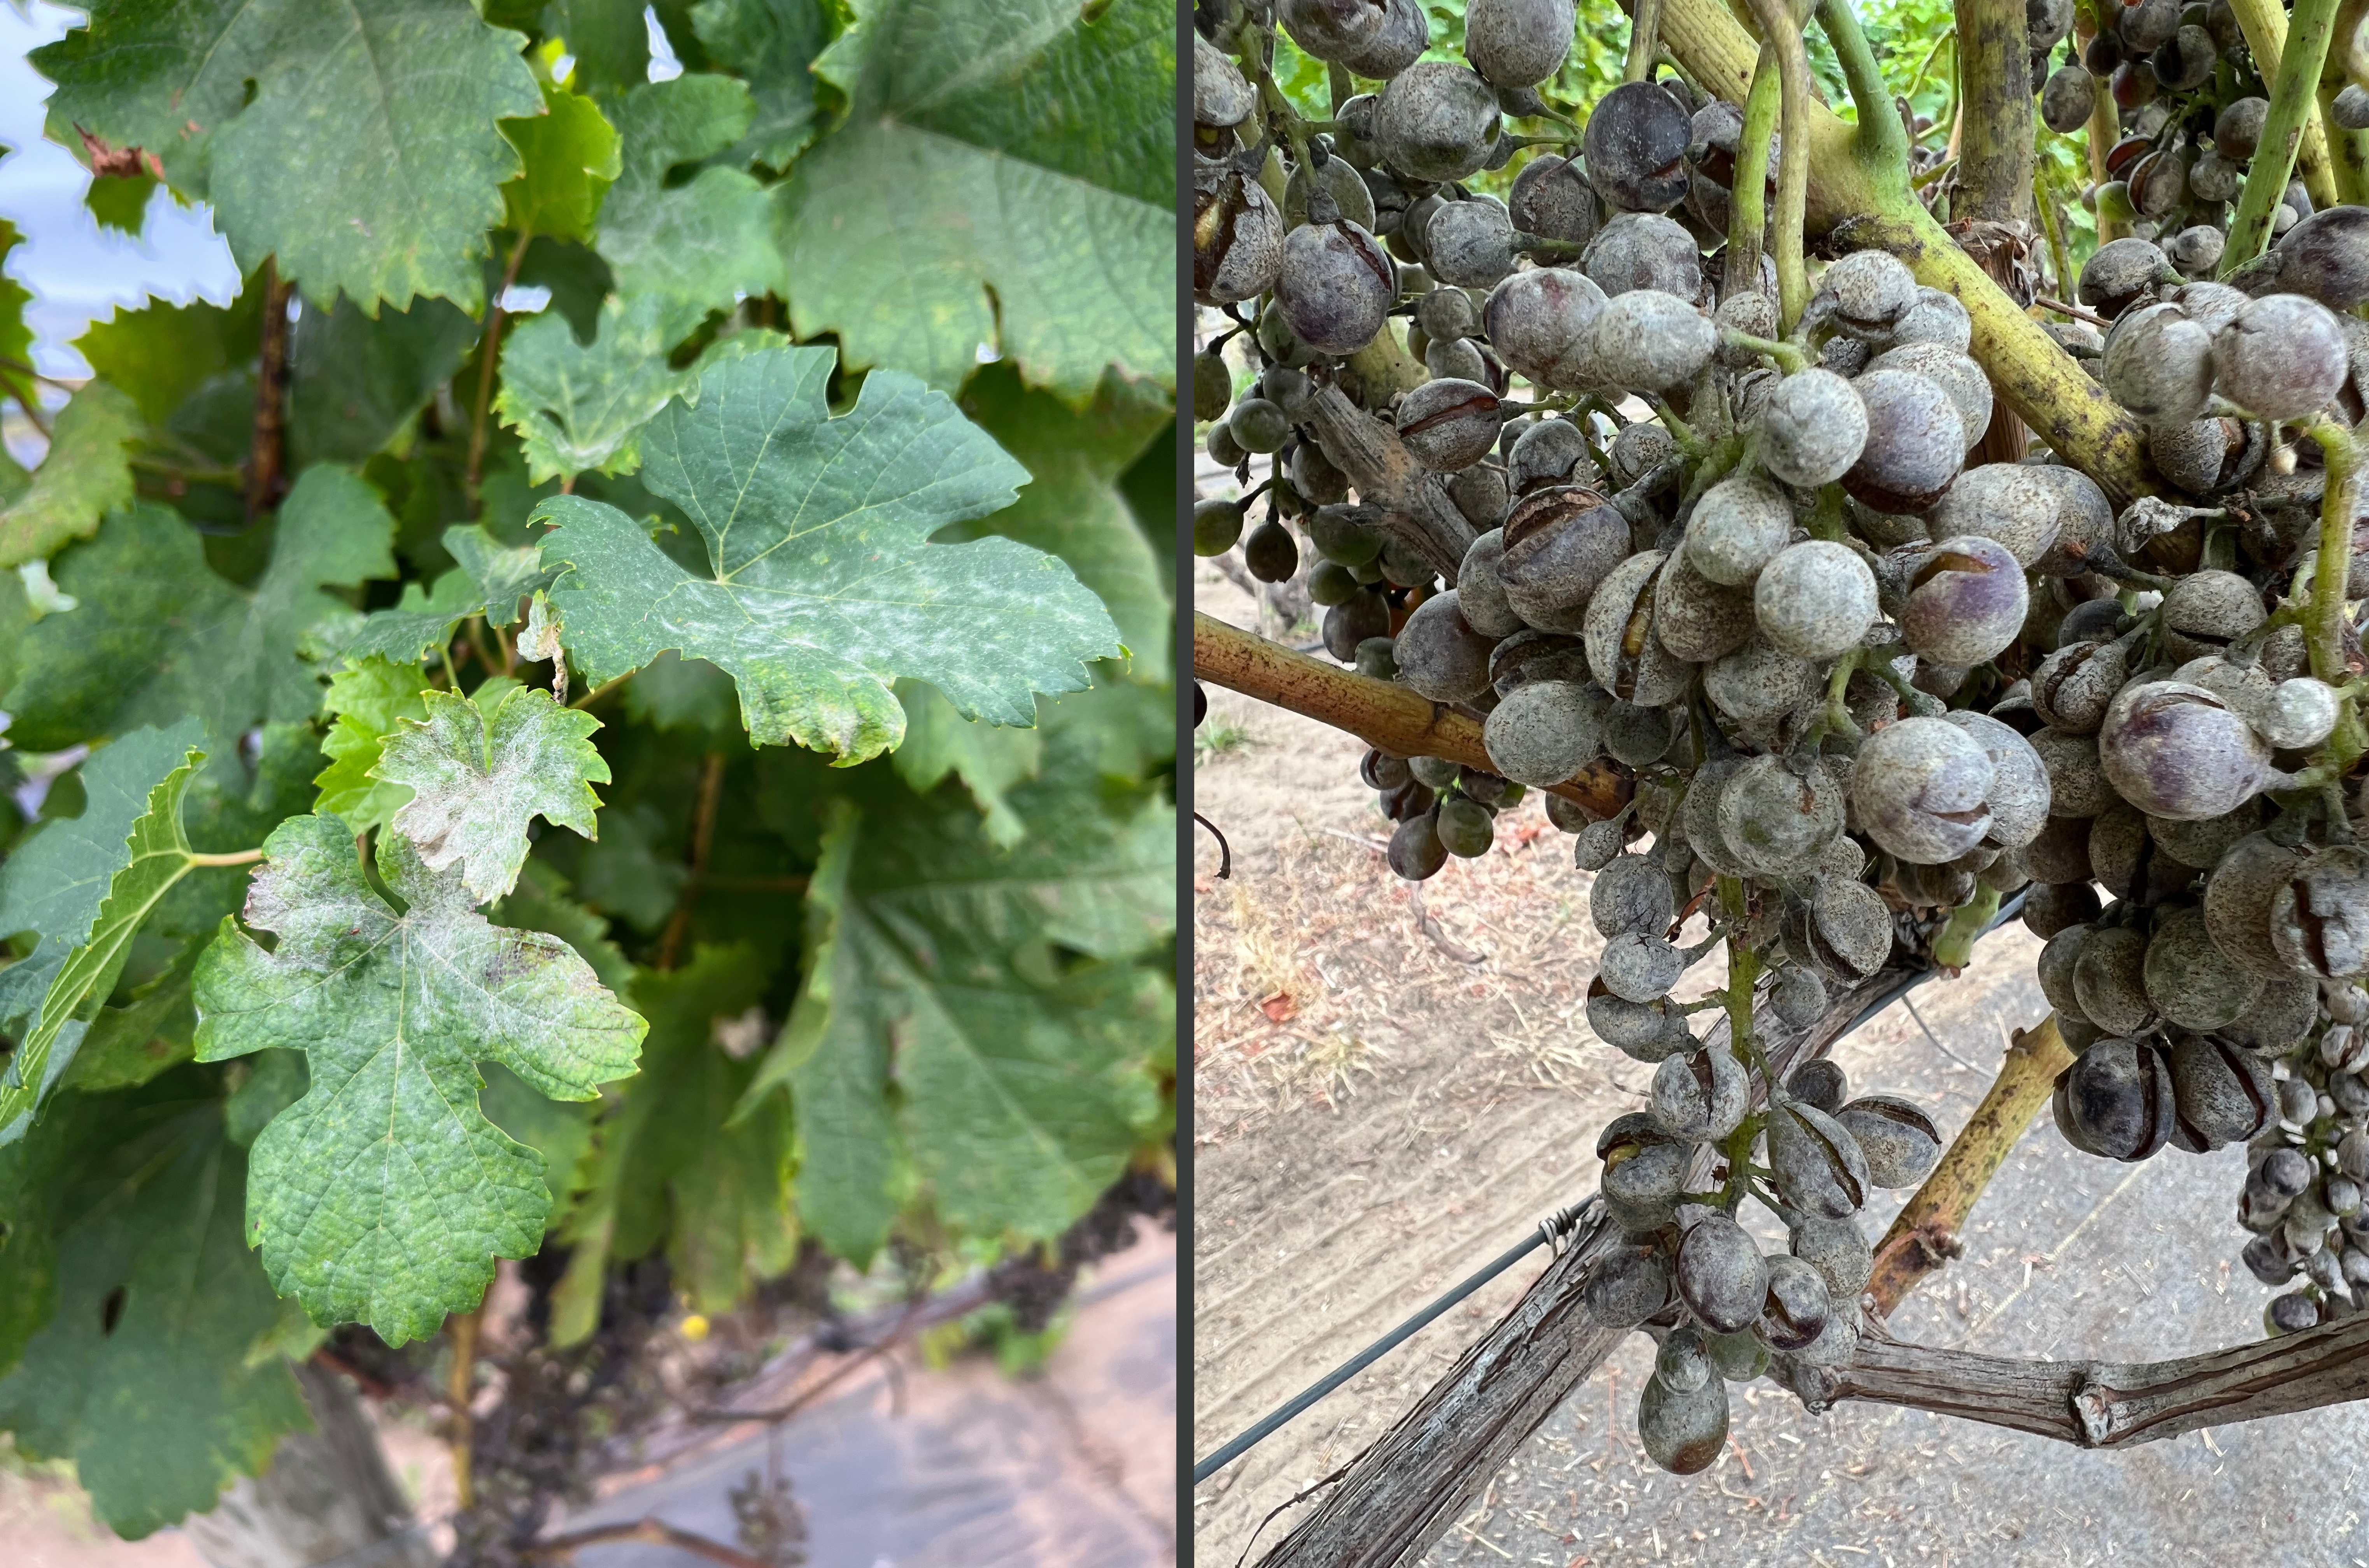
column 1782, row 32
column 2292, row 99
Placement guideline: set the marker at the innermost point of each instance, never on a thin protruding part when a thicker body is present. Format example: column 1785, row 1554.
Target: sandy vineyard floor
column 1379, row 1109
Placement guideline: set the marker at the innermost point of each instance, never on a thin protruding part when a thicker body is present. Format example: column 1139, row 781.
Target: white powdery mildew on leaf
column 384, row 1195
column 478, row 779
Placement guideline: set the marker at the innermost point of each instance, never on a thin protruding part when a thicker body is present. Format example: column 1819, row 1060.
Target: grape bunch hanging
column 1585, row 463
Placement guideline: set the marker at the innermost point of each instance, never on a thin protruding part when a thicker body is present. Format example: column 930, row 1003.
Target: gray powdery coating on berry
column 1541, row 323
column 2177, row 750
column 1238, row 243
column 1759, row 684
column 1899, row 1140
column 2118, row 271
column 2159, row 365
column 1435, row 121
column 1644, row 251
column 1915, row 443
column 1812, row 427
column 1937, row 318
column 2084, row 519
column 1737, row 528
column 1954, row 372
column 1777, row 822
column 1448, row 424
column 1517, row 43
column 1816, row 599
column 1478, row 590
column 2014, row 503
column 1221, row 95
column 2190, row 981
column 1631, row 893
column 1439, row 654
column 1335, row 286
column 1919, row 789
column 2019, row 795
column 1550, row 452
column 1546, row 731
column 1333, row 29
column 1552, row 571
column 1470, row 244
column 1870, row 292
column 2319, row 918
column 1646, row 341
column 2283, row 356
column 2193, row 455
column 1966, row 603
column 1696, row 619
column 2327, row 257
column 2077, row 780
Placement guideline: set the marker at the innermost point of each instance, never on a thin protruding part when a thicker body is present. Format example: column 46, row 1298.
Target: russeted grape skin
column 1635, row 148
column 1334, row 286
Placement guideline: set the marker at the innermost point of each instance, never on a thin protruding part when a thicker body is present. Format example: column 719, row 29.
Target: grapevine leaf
column 773, row 43
column 704, row 242
column 238, row 796
column 355, row 380
column 419, row 622
column 560, row 1131
column 86, row 884
column 669, row 1169
column 142, row 1377
column 989, row 760
column 384, row 1195
column 15, row 335
column 478, row 778
column 1005, row 177
column 674, row 693
column 120, row 201
column 86, row 474
column 393, row 104
column 161, row 78
column 158, row 634
column 365, row 700
column 541, row 902
column 504, row 573
column 1071, row 507
column 162, row 353
column 571, row 154
column 937, row 964
column 128, row 1044
column 608, row 38
column 823, row 587
column 578, row 408
column 627, row 873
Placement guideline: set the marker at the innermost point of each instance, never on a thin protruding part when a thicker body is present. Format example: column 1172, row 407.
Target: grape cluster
column 1562, row 467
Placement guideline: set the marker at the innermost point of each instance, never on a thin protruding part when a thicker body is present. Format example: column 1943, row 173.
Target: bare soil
column 1383, row 1103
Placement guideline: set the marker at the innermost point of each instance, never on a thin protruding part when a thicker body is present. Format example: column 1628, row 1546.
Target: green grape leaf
column 504, row 573
column 987, row 759
column 141, row 1377
column 560, row 1131
column 365, row 699
column 571, row 154
column 418, row 625
column 384, row 1194
column 541, row 902
column 823, row 587
column 1024, row 1077
column 772, row 44
column 578, row 408
column 355, row 381
column 160, row 78
column 1071, row 507
column 392, row 105
column 675, row 692
column 703, row 242
column 128, row 1044
column 162, row 353
column 668, row 1168
column 86, row 474
column 478, row 777
column 158, row 634
column 120, row 201
column 238, row 796
column 15, row 335
column 627, row 873
column 86, row 884
column 1005, row 177
column 608, row 38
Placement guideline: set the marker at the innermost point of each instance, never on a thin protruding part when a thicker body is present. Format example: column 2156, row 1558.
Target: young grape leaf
column 418, row 625
column 1071, row 505
column 384, row 1194
column 504, row 573
column 120, row 201
column 163, row 79
column 571, row 154
column 668, row 1169
column 354, row 380
column 608, row 38
column 1024, row 1077
column 578, row 408
column 86, row 883
column 1005, row 177
column 161, row 353
column 824, row 588
column 990, row 760
column 158, row 634
column 15, row 335
column 141, row 1376
column 85, row 474
column 477, row 778
column 704, row 242
column 365, row 700
column 772, row 44
column 393, row 104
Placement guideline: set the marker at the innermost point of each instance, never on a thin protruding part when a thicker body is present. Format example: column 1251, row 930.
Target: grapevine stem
column 703, row 839
column 2264, row 25
column 232, row 857
column 492, row 353
column 1788, row 355
column 1782, row 33
column 596, row 692
column 459, row 1386
column 2341, row 456
column 2274, row 157
column 267, row 447
column 1880, row 135
column 1643, row 44
column 1747, row 220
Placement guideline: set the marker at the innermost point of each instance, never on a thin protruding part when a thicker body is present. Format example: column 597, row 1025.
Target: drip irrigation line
column 1556, row 1230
